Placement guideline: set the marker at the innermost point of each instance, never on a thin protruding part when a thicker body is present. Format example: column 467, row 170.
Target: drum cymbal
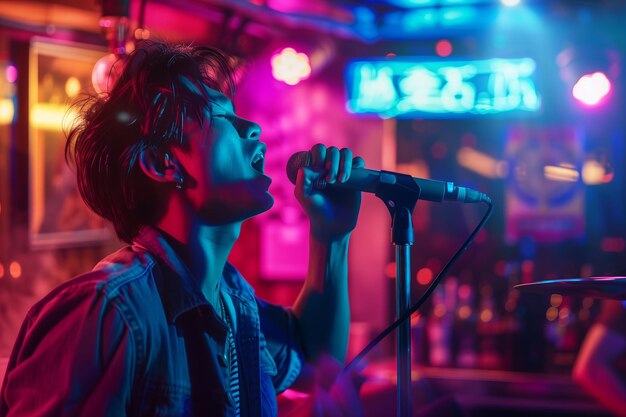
column 613, row 288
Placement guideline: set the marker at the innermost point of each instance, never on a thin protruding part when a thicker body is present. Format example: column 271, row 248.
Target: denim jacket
column 136, row 337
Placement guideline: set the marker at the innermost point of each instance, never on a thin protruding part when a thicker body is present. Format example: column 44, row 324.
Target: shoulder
column 113, row 279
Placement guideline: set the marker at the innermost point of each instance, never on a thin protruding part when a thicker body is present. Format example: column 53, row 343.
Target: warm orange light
column 481, row 163
column 552, row 313
column 596, row 173
column 465, row 312
column 556, row 300
column 440, row 310
column 486, row 315
column 15, row 269
column 51, row 116
column 142, row 33
column 7, row 111
column 563, row 173
column 72, row 87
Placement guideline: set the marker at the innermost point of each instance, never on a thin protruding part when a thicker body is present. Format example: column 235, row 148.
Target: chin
column 233, row 214
column 266, row 202
column 237, row 203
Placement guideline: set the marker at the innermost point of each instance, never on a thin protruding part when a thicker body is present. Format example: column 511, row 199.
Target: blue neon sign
column 409, row 87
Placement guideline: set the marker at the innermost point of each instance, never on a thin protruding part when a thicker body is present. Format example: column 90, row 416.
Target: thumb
column 304, row 182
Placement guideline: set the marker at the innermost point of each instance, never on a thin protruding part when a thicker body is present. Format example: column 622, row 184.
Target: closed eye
column 223, row 116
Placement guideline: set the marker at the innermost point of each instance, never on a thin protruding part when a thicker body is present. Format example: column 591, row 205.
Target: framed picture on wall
column 58, row 74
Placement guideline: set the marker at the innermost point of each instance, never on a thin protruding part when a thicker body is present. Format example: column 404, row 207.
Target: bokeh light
column 290, row 66
column 510, row 3
column 443, row 48
column 590, row 89
column 106, row 71
column 11, row 73
column 424, row 276
column 15, row 270
column 72, row 87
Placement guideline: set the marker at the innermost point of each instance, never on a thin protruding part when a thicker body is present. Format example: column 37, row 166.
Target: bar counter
column 480, row 393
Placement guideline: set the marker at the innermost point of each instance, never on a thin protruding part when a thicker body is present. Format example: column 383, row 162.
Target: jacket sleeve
column 73, row 357
column 279, row 338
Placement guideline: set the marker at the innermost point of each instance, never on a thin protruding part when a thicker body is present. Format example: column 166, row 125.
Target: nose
column 248, row 129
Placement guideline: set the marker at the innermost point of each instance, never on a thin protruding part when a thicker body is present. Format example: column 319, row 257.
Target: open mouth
column 258, row 162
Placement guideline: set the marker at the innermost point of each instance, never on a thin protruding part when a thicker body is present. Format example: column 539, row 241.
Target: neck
column 203, row 248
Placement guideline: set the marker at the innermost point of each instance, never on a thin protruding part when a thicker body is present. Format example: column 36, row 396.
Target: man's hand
column 333, row 213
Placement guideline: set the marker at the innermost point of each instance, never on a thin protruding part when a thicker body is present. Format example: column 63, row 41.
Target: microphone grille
column 295, row 162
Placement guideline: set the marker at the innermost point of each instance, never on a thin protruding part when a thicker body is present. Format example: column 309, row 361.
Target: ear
column 159, row 166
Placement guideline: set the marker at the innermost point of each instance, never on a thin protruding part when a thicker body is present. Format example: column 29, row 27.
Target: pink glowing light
column 590, row 89
column 11, row 73
column 106, row 71
column 290, row 66
column 443, row 48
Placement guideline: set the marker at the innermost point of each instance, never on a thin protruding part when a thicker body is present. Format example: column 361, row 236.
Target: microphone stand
column 400, row 193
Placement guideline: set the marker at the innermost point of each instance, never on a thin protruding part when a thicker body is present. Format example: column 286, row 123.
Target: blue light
column 452, row 16
column 408, row 4
column 409, row 87
column 419, row 19
column 413, row 3
column 443, row 17
column 377, row 92
column 365, row 22
column 462, row 2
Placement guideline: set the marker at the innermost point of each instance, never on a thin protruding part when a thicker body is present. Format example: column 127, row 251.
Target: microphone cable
column 407, row 314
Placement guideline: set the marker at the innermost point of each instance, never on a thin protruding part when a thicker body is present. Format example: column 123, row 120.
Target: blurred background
column 521, row 99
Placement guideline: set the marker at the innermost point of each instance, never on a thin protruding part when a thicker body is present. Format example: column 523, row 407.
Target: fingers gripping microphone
column 367, row 180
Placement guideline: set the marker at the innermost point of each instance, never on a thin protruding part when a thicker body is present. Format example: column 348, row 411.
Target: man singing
column 166, row 326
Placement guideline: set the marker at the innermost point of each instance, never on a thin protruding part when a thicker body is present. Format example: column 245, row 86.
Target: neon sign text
column 405, row 88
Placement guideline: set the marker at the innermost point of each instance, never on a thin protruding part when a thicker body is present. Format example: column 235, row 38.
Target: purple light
column 11, row 73
column 590, row 89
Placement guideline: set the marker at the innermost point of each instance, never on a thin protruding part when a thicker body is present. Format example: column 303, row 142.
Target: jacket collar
column 179, row 291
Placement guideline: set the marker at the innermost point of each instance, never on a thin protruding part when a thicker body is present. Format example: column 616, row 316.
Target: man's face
column 223, row 165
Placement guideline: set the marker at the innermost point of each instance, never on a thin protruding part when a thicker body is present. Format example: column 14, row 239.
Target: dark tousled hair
column 159, row 87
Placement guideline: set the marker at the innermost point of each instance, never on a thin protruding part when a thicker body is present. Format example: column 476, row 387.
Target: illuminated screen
column 414, row 88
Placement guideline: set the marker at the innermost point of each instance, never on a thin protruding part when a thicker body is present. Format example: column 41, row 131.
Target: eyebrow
column 222, row 101
column 219, row 98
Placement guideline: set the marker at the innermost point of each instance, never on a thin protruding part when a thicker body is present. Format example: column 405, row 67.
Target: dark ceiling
column 381, row 20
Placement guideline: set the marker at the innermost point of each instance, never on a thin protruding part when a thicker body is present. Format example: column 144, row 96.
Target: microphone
column 367, row 180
